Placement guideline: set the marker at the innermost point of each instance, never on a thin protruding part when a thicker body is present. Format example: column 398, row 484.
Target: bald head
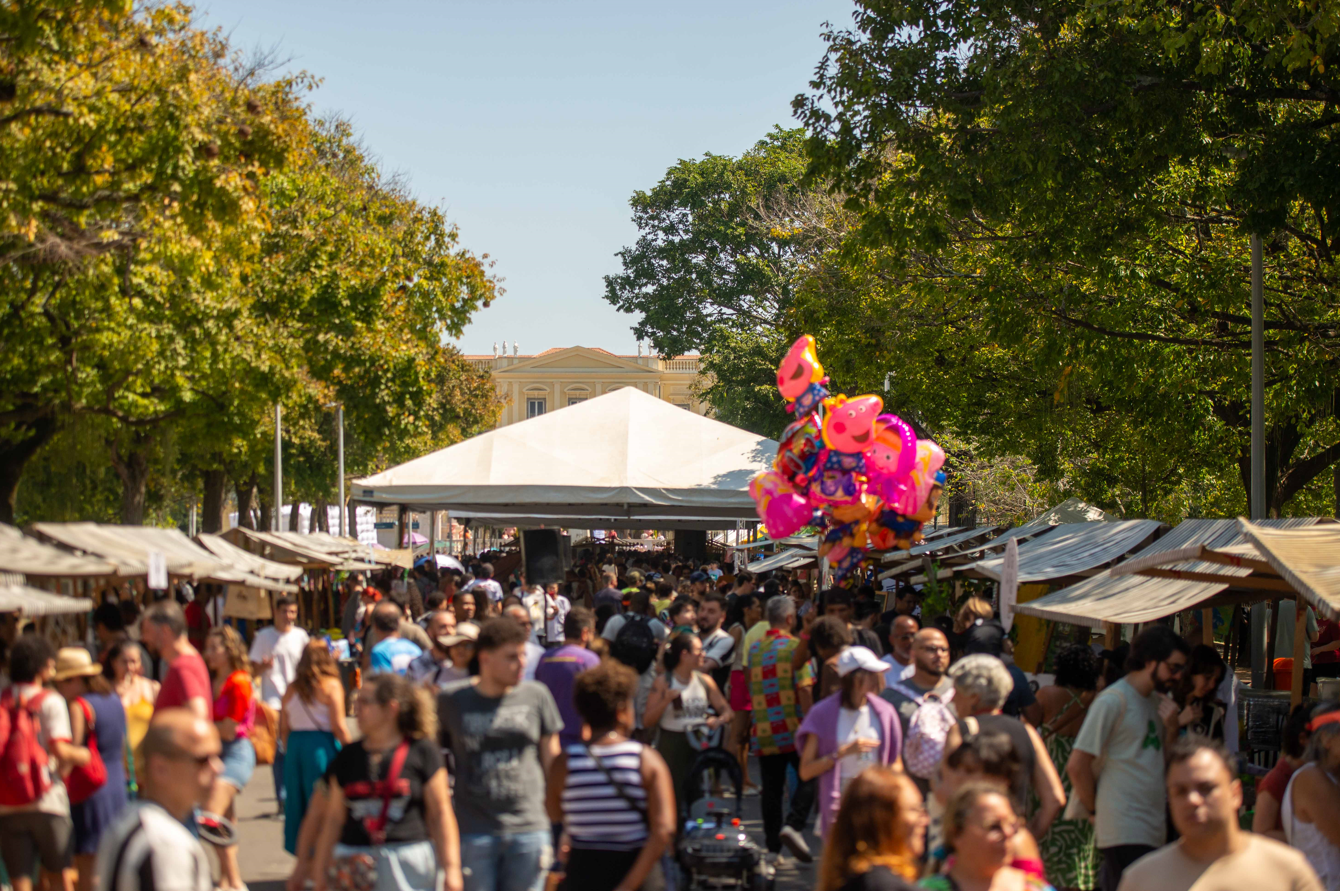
column 901, row 633
column 181, row 760
column 930, row 655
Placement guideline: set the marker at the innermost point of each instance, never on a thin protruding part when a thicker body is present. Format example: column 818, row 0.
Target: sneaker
column 795, row 843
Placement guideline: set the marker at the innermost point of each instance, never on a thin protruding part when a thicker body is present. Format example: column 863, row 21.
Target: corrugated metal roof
column 1307, row 558
column 1072, row 549
column 24, row 554
column 1122, row 597
column 940, row 543
column 791, row 558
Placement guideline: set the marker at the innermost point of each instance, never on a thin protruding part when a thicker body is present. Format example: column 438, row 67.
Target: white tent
column 624, row 456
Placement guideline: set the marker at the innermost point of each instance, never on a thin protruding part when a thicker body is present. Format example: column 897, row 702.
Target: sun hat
column 853, row 658
column 75, row 662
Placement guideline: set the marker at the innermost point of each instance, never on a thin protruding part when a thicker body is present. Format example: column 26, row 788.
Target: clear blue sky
column 532, row 123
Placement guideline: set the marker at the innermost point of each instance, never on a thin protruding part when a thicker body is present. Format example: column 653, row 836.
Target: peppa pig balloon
column 783, row 511
column 849, row 425
column 889, row 461
column 800, row 377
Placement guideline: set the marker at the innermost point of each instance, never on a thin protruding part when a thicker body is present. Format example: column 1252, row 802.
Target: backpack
column 926, row 732
column 635, row 645
column 24, row 777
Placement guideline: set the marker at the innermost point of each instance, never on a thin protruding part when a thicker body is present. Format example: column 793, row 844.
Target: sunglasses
column 200, row 760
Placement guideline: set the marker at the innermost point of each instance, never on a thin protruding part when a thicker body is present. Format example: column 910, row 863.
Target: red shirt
column 197, row 624
column 187, row 678
column 1275, row 783
column 1328, row 630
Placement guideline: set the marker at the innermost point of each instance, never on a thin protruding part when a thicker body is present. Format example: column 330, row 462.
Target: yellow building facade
column 563, row 376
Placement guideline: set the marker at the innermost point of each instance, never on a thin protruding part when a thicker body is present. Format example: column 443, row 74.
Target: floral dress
column 1069, row 852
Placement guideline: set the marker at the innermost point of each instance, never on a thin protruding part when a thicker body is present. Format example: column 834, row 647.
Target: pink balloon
column 895, row 448
column 783, row 510
column 930, row 458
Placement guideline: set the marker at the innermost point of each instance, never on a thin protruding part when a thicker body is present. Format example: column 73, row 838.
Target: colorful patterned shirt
column 772, row 685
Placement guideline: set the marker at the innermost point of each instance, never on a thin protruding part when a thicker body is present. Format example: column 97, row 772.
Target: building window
column 576, row 400
column 534, row 407
column 684, row 405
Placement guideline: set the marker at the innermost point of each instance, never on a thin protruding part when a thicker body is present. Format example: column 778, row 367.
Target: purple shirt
column 557, row 671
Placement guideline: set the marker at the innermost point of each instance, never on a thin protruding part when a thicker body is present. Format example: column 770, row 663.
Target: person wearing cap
column 1311, row 807
column 850, row 730
column 433, row 667
column 96, row 714
column 700, row 582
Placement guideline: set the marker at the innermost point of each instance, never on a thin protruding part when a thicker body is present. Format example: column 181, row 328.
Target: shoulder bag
column 358, row 872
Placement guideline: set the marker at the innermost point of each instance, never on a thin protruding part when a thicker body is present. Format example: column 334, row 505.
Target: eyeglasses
column 200, row 760
column 944, row 650
column 1175, row 669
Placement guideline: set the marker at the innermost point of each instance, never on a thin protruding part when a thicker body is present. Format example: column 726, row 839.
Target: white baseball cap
column 852, row 658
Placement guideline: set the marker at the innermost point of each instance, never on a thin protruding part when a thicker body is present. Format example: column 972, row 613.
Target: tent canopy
column 302, row 550
column 617, row 457
column 23, row 554
column 240, row 559
column 1072, row 549
column 1308, row 558
column 1121, row 596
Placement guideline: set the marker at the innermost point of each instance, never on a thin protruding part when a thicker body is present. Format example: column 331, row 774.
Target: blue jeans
column 506, row 862
column 278, row 770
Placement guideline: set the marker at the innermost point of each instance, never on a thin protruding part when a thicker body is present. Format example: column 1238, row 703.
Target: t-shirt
column 1263, row 865
column 534, row 653
column 496, row 745
column 616, row 622
column 877, row 878
column 427, row 669
column 854, row 724
column 1328, row 631
column 53, row 718
column 286, row 651
column 608, row 595
column 490, row 587
column 1022, row 696
column 719, row 646
column 187, row 678
column 898, row 670
column 234, row 701
column 558, row 670
column 151, row 850
column 1123, row 729
column 1275, row 783
column 1284, row 632
column 364, row 793
column 393, row 655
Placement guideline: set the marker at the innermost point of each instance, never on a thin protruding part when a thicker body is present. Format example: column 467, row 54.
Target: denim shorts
column 239, row 761
column 507, row 861
column 401, row 866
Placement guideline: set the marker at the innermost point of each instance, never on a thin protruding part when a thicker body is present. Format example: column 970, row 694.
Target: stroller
column 714, row 851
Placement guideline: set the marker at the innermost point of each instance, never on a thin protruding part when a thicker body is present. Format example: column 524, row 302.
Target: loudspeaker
column 691, row 544
column 547, row 555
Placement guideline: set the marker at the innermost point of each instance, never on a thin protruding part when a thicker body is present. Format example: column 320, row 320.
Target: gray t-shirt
column 495, row 744
column 1123, row 729
column 908, row 707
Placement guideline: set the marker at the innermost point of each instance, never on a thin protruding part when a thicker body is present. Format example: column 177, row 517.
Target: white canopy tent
column 1072, row 549
column 624, row 457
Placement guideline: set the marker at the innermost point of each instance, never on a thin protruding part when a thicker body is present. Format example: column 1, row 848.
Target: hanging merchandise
column 861, row 477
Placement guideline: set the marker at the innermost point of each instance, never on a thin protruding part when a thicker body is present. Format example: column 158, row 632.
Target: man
column 392, row 653
column 610, row 593
column 829, row 636
column 433, row 667
column 683, row 617
column 39, row 833
column 639, row 610
column 838, row 602
column 275, row 654
column 781, row 696
column 353, row 604
column 930, row 661
column 108, row 628
column 198, row 621
column 533, row 651
column 503, row 732
column 485, row 583
column 435, row 601
column 718, row 646
column 558, row 669
column 148, row 847
column 901, row 634
column 556, row 608
column 1213, row 852
column 698, row 584
column 186, row 684
column 409, row 630
column 1284, row 638
column 1127, row 726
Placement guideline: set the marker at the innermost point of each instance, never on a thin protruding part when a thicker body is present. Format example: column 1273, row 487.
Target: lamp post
column 276, row 521
column 339, row 440
column 1258, row 505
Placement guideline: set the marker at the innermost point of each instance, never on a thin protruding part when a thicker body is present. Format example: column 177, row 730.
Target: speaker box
column 547, row 555
column 691, row 544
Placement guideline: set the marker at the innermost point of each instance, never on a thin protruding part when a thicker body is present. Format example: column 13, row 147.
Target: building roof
column 552, row 350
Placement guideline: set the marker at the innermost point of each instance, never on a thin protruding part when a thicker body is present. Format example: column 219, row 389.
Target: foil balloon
column 783, row 511
column 889, row 461
column 849, row 424
column 800, row 377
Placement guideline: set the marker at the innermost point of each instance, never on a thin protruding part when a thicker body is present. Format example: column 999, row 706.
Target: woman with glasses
column 980, row 824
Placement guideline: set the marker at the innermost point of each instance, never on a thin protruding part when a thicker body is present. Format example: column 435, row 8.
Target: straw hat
column 75, row 662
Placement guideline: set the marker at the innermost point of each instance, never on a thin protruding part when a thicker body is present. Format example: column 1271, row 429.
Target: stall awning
column 621, row 456
column 941, row 543
column 16, row 597
column 1071, row 550
column 791, row 558
column 23, row 554
column 1308, row 558
column 1121, row 596
column 253, row 563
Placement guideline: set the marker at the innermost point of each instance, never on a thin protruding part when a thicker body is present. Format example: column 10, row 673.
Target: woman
column 312, row 728
column 980, row 824
column 124, row 667
column 419, row 836
column 679, row 700
column 234, row 716
column 1270, row 789
column 976, row 630
column 95, row 714
column 613, row 795
column 1201, row 711
column 1312, row 798
column 849, row 731
column 1068, row 850
column 982, row 683
column 878, row 836
column 746, row 612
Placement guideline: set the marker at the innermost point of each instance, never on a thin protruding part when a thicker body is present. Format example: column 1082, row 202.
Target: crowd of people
column 513, row 736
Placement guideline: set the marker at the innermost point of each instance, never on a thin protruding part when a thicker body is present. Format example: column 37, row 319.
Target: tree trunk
column 214, row 500
column 130, row 460
column 266, row 524
column 293, row 514
column 14, row 457
column 245, row 496
column 1336, row 482
column 321, row 516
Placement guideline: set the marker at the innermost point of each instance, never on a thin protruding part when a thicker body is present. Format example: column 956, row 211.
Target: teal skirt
column 306, row 757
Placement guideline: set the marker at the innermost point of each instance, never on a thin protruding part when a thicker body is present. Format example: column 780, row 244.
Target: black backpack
column 635, row 645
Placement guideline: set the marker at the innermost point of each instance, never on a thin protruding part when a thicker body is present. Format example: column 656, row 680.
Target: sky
column 532, row 123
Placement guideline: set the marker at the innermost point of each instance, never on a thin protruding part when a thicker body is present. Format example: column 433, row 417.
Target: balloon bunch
column 861, row 476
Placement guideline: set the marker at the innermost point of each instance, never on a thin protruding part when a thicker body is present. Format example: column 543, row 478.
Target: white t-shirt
column 53, row 717
column 856, row 724
column 719, row 646
column 490, row 587
column 533, row 654
column 286, row 651
column 898, row 672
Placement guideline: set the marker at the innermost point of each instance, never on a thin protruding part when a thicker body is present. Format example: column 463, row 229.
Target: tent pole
column 1111, row 635
column 1270, row 643
column 1300, row 646
column 1207, row 627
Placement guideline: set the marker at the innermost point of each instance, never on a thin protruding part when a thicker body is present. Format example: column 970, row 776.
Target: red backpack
column 24, row 777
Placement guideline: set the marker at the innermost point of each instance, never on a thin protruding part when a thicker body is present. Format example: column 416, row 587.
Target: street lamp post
column 339, row 440
column 276, row 521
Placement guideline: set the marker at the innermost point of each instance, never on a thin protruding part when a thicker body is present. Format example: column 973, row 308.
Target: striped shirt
column 595, row 815
column 147, row 849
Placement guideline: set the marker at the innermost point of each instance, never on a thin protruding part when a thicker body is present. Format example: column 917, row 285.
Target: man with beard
column 1129, row 726
column 930, row 660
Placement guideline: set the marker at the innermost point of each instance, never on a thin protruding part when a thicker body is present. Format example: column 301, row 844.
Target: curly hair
column 315, row 665
column 232, row 644
column 600, row 692
column 416, row 716
column 1077, row 666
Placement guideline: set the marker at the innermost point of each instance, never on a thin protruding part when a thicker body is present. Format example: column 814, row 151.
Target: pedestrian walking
column 97, row 722
column 149, row 848
column 391, row 653
column 718, row 645
column 433, row 667
column 684, row 699
column 1311, row 808
column 849, row 731
column 635, row 638
column 485, row 584
column 979, row 825
column 781, row 695
column 879, row 834
column 124, row 667
column 186, row 684
column 1128, row 726
column 234, row 712
column 901, row 634
column 312, row 729
column 533, row 651
column 275, row 653
column 1212, row 852
column 614, row 795
column 559, row 669
column 928, row 688
column 503, row 734
column 388, row 821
